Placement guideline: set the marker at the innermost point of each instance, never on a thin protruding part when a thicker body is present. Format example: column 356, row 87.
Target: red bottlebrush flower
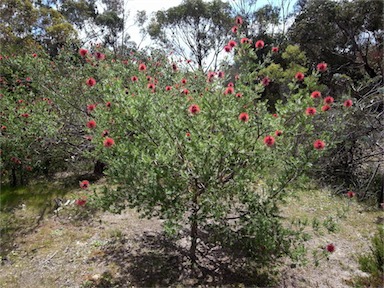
column 83, row 52
column 28, row 79
column 108, row 104
column 89, row 138
column 275, row 49
column 318, row 144
column 91, row 82
column 3, row 127
column 269, row 140
column 329, row 100
column 168, row 88
column 235, row 29
column 25, row 115
column 28, row 168
column 81, row 202
column 149, row 78
column 278, row 133
column 239, row 95
column 229, row 90
column 310, row 111
column 232, row 43
column 316, row 94
column 16, row 160
column 348, row 103
column 108, row 142
column 105, row 133
column 188, row 134
column 194, row 109
column 330, row 248
column 239, row 20
column 227, row 48
column 34, row 55
column 351, row 194
column 325, row 108
column 134, row 79
column 84, row 184
column 174, row 67
column 91, row 107
column 220, row 74
column 20, row 101
column 275, row 115
column 230, row 84
column 186, row 91
column 91, row 124
column 151, row 86
column 237, row 77
column 259, row 44
column 142, row 67
column 299, row 76
column 184, row 81
column 99, row 56
column 322, row 67
column 244, row 40
column 244, row 117
column 265, row 81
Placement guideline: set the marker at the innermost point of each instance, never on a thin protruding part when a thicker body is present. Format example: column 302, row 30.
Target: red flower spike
column 278, row 133
column 319, row 144
column 84, row 184
column 348, row 103
column 91, row 124
column 235, row 29
column 142, row 67
column 194, row 109
column 227, row 48
column 265, row 81
column 269, row 140
column 229, row 90
column 329, row 100
column 244, row 117
column 331, row 248
column 232, row 43
column 108, row 142
column 81, row 202
column 91, row 82
column 351, row 194
column 239, row 20
column 325, row 108
column 299, row 76
column 259, row 44
column 310, row 111
column 322, row 67
column 275, row 49
column 316, row 94
column 83, row 52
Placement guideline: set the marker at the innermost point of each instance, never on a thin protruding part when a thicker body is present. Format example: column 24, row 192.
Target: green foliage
column 373, row 263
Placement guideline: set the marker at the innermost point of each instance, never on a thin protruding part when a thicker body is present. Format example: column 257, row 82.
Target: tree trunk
column 194, row 227
column 13, row 177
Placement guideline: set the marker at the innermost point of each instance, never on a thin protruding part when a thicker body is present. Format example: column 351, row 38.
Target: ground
column 69, row 249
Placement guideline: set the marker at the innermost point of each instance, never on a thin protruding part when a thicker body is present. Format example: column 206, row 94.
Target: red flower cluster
column 229, row 90
column 227, row 48
column 275, row 49
column 168, row 88
column 91, row 107
column 234, row 29
column 232, row 43
column 81, row 202
column 142, row 67
column 351, row 194
column 325, row 108
column 245, row 40
column 265, row 81
column 278, row 133
column 239, row 20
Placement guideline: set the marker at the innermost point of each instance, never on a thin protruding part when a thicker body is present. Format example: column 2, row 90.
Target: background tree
column 195, row 29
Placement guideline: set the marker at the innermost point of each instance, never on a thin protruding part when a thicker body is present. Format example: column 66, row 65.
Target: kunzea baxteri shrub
column 28, row 120
column 197, row 152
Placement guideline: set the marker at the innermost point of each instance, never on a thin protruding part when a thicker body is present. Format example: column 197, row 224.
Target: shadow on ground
column 153, row 260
